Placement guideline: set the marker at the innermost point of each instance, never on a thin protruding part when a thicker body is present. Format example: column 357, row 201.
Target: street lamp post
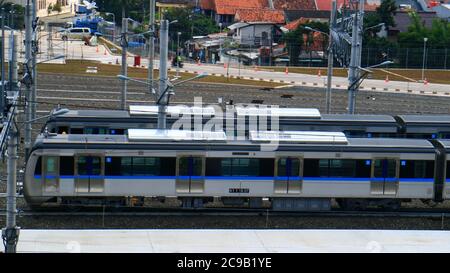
column 423, row 59
column 220, row 43
column 178, row 53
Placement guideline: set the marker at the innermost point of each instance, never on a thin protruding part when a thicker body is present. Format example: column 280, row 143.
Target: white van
column 76, row 33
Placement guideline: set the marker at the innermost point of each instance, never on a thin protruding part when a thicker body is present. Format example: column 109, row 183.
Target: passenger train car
column 294, row 170
column 244, row 119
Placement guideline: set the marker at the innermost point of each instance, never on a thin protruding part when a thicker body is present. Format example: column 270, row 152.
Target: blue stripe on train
column 252, row 178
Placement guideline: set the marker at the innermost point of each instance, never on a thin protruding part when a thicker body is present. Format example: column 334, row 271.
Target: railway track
column 214, row 212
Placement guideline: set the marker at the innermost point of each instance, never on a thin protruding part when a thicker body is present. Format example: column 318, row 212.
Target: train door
column 288, row 175
column 190, row 174
column 89, row 173
column 385, row 176
column 50, row 173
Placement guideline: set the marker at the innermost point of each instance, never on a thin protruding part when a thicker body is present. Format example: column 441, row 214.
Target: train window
column 76, row 131
column 89, row 165
column 363, row 168
column 135, row 166
column 311, row 168
column 167, row 166
column 38, row 169
column 190, row 165
column 146, row 166
column 417, row 169
column 63, row 130
column 117, row 131
column 288, row 167
column 240, row 167
column 386, row 168
column 95, row 131
column 66, row 165
column 266, row 167
column 336, row 168
column 112, row 166
column 51, row 164
column 126, row 166
column 213, row 167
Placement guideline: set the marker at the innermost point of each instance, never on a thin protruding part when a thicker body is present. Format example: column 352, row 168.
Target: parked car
column 76, row 33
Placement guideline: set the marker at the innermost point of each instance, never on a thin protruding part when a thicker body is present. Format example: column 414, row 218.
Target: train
column 289, row 170
column 242, row 119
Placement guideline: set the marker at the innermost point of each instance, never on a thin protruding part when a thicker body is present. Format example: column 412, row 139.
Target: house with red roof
column 230, row 11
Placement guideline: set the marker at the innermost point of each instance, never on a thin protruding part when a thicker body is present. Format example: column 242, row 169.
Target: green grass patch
column 79, row 67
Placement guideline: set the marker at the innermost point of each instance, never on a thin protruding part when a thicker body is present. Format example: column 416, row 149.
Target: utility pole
column 123, row 102
column 34, row 51
column 2, row 59
column 151, row 46
column 355, row 58
column 330, row 55
column 163, row 56
column 10, row 234
column 27, row 63
column 13, row 62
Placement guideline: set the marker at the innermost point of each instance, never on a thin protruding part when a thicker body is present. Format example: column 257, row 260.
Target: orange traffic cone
column 319, row 73
column 425, row 81
column 286, row 70
column 387, row 78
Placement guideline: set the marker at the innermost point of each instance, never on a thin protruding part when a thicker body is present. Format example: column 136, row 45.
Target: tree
column 133, row 8
column 57, row 7
column 18, row 11
column 295, row 39
column 438, row 35
column 384, row 14
column 189, row 24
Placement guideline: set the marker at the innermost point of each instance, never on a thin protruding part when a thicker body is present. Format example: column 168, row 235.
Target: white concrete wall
column 67, row 6
column 246, row 35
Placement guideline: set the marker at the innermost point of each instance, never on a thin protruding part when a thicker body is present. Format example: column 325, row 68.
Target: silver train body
column 104, row 169
column 362, row 126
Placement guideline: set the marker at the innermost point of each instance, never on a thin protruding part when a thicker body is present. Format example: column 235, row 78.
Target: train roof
column 305, row 114
column 425, row 119
column 363, row 118
column 445, row 143
column 108, row 140
column 95, row 113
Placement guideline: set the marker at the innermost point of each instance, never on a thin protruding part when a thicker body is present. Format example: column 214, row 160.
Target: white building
column 67, row 6
column 254, row 33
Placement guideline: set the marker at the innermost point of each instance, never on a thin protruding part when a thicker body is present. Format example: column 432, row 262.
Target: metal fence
column 408, row 57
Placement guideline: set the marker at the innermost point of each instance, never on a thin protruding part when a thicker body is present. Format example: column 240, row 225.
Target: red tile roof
column 265, row 15
column 294, row 4
column 207, row 4
column 231, row 6
column 294, row 24
column 370, row 5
